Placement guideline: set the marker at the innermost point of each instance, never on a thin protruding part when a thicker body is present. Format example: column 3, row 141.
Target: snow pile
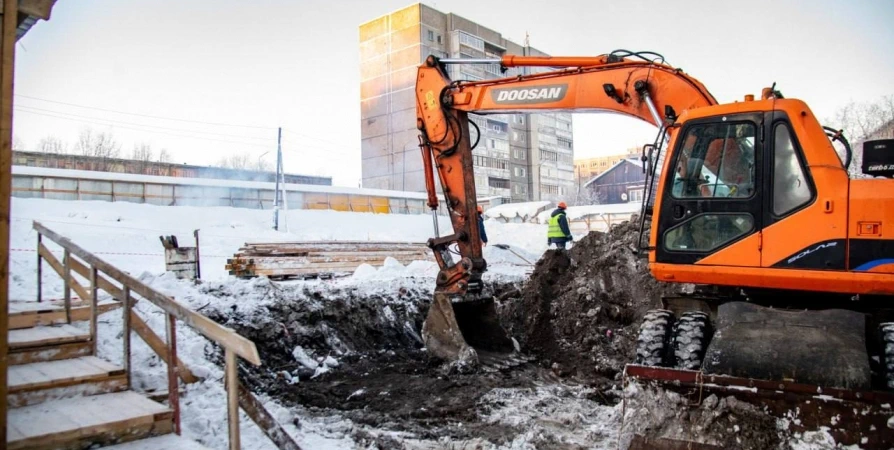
column 516, row 212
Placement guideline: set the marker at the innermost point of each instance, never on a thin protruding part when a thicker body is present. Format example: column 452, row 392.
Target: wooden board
column 66, row 372
column 166, row 442
column 74, row 422
column 44, row 336
column 32, row 314
column 115, row 383
column 29, row 355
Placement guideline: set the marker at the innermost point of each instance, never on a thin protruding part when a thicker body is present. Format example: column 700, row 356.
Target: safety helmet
column 563, row 205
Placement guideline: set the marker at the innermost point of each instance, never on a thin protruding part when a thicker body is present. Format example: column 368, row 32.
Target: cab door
column 711, row 208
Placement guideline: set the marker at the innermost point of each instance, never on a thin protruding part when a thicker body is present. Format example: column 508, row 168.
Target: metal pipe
column 652, row 109
column 434, row 216
column 471, row 61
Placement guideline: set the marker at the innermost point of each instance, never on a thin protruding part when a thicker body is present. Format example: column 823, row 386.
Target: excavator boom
column 462, row 319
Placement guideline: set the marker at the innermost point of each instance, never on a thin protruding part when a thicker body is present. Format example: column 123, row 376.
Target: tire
column 653, row 342
column 691, row 335
column 886, row 331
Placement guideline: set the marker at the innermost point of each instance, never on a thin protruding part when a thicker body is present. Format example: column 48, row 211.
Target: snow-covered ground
column 127, row 235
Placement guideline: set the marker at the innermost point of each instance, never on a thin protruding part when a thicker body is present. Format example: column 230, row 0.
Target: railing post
column 66, row 282
column 173, row 387
column 126, row 328
column 232, row 385
column 94, row 305
column 39, row 270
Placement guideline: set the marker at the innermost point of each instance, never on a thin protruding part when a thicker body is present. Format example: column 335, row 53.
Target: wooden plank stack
column 282, row 260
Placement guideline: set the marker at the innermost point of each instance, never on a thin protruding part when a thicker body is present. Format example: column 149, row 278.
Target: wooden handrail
column 225, row 337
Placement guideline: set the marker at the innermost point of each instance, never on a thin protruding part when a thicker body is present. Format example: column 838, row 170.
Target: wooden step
column 166, row 442
column 34, row 383
column 32, row 314
column 44, row 336
column 83, row 422
column 49, row 353
column 47, row 344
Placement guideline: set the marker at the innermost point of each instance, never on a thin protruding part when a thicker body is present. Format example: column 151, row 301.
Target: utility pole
column 276, row 196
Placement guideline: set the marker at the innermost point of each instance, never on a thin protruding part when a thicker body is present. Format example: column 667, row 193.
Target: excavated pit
column 356, row 351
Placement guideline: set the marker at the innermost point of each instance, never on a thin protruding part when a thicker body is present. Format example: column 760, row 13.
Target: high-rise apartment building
column 520, row 157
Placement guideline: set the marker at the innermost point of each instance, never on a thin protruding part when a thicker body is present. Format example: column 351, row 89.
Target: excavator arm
column 462, row 315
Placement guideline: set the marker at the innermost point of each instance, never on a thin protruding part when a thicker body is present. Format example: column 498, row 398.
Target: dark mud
column 383, row 376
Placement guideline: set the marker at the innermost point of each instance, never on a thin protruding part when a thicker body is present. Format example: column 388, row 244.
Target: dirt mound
column 581, row 309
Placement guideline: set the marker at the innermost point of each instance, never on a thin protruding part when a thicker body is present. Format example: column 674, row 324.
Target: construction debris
column 182, row 261
column 282, row 260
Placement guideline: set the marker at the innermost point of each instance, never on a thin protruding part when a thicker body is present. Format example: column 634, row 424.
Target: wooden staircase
column 62, row 396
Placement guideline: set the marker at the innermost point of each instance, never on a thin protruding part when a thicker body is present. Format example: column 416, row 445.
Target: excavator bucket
column 464, row 331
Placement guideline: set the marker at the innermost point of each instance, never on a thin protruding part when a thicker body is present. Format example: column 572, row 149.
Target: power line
column 144, row 115
column 142, row 125
column 141, row 129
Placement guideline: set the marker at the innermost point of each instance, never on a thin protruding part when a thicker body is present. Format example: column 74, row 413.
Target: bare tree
column 861, row 122
column 52, row 144
column 17, row 143
column 239, row 161
column 263, row 165
column 98, row 145
column 142, row 154
column 164, row 156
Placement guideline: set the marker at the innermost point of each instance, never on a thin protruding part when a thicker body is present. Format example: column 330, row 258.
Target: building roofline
column 633, row 161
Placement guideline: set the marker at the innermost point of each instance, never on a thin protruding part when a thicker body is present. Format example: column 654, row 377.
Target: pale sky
column 206, row 78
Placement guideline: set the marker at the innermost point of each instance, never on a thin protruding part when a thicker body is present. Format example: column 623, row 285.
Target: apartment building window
column 498, row 144
column 635, row 196
column 547, row 155
column 520, row 188
column 564, row 126
column 431, row 35
column 566, row 158
column 498, row 127
column 520, row 171
column 498, row 183
column 471, row 41
column 519, row 136
column 520, row 154
column 549, row 189
column 519, row 119
column 493, row 163
column 564, row 143
column 439, row 39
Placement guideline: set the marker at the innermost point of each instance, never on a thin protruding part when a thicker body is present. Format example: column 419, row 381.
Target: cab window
column 716, row 161
column 791, row 188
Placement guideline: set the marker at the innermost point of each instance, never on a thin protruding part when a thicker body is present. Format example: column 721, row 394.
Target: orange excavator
column 793, row 259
